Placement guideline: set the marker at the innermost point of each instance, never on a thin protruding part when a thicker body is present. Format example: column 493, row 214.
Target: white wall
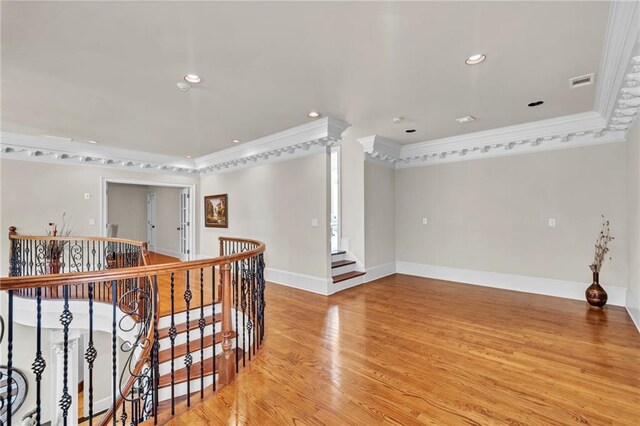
column 379, row 217
column 33, row 194
column 127, row 207
column 491, row 215
column 633, row 299
column 275, row 203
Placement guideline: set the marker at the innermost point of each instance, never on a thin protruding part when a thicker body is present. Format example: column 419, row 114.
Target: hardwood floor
column 408, row 350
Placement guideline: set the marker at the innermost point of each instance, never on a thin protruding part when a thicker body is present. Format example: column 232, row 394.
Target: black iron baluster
column 188, row 359
column 172, row 336
column 114, row 342
column 156, row 349
column 202, row 324
column 91, row 353
column 65, row 319
column 235, row 291
column 213, row 323
column 243, row 304
column 10, row 359
column 39, row 363
column 251, row 325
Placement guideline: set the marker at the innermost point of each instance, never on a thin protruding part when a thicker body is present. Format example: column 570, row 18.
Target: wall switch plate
column 87, row 196
column 425, row 221
column 552, row 222
column 92, row 222
column 314, row 223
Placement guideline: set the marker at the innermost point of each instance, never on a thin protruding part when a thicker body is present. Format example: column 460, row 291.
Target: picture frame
column 216, row 211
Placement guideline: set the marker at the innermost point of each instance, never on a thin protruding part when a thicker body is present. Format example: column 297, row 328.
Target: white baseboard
column 535, row 285
column 167, row 252
column 380, row 271
column 635, row 316
column 303, row 282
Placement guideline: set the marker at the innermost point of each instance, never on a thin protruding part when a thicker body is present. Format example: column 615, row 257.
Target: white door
column 185, row 225
column 151, row 221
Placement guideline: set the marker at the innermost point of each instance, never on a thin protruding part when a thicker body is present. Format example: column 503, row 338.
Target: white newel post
column 57, row 355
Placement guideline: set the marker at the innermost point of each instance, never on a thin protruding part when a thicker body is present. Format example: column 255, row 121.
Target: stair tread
column 193, row 325
column 339, row 263
column 339, row 252
column 180, row 375
column 194, row 346
column 347, row 276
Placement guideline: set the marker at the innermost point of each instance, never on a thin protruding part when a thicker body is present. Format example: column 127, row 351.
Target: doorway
column 335, row 227
column 162, row 214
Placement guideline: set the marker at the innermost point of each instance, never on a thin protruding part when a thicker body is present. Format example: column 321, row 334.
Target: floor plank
column 408, row 350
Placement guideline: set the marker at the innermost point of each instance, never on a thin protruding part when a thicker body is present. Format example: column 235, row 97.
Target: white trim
column 380, row 271
column 620, row 41
column 192, row 199
column 635, row 316
column 571, row 131
column 546, row 286
column 310, row 283
column 343, row 285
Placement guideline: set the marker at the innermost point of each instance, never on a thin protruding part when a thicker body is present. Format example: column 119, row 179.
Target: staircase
column 343, row 271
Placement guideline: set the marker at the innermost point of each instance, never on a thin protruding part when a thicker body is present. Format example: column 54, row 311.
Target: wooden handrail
column 14, row 236
column 16, row 283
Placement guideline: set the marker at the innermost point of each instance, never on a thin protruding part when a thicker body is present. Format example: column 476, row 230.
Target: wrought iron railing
column 206, row 305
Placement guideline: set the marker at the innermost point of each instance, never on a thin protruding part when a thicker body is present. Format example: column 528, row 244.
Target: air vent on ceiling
column 583, row 80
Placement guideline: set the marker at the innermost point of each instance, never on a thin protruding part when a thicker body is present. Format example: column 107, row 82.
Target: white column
column 57, row 356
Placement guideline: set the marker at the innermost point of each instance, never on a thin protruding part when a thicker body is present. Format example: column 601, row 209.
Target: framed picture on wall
column 216, row 211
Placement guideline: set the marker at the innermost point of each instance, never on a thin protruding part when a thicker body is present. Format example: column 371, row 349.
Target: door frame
column 151, row 227
column 104, row 181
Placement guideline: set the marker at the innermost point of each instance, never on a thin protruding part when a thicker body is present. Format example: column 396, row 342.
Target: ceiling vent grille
column 583, row 80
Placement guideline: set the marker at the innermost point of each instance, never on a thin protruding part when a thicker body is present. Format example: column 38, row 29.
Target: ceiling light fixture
column 475, row 59
column 410, row 131
column 314, row 114
column 192, row 78
column 187, row 156
column 465, row 119
column 236, row 141
column 93, row 142
column 535, row 104
column 397, row 120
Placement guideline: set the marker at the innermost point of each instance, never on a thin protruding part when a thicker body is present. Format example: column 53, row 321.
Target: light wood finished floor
column 408, row 350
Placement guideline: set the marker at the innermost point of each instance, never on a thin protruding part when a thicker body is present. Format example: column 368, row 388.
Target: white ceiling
column 108, row 71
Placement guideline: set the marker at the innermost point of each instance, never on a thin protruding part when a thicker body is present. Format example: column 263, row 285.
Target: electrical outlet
column 314, row 223
column 92, row 222
column 425, row 221
column 552, row 222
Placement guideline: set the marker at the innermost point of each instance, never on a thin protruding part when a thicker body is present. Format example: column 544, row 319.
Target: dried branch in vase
column 602, row 246
column 55, row 248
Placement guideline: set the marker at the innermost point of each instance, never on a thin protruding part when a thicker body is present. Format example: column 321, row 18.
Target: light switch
column 314, row 223
column 92, row 222
column 87, row 196
column 552, row 222
column 425, row 221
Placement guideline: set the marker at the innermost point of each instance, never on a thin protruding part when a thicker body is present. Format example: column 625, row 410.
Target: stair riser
column 343, row 269
column 165, row 343
column 165, row 367
column 181, row 389
column 180, row 318
column 336, row 257
column 342, row 285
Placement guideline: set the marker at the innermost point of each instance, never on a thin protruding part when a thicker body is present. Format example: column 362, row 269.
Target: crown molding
column 50, row 150
column 619, row 70
column 302, row 140
column 291, row 143
column 570, row 131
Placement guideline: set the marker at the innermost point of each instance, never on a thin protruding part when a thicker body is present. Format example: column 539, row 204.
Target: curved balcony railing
column 168, row 320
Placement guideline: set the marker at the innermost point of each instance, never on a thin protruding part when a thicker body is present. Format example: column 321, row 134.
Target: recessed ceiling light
column 314, row 114
column 93, row 142
column 465, row 119
column 236, row 141
column 410, row 131
column 187, row 156
column 475, row 59
column 397, row 120
column 192, row 78
column 535, row 104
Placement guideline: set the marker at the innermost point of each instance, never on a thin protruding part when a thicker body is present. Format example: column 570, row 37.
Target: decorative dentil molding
column 301, row 140
column 617, row 94
column 557, row 133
